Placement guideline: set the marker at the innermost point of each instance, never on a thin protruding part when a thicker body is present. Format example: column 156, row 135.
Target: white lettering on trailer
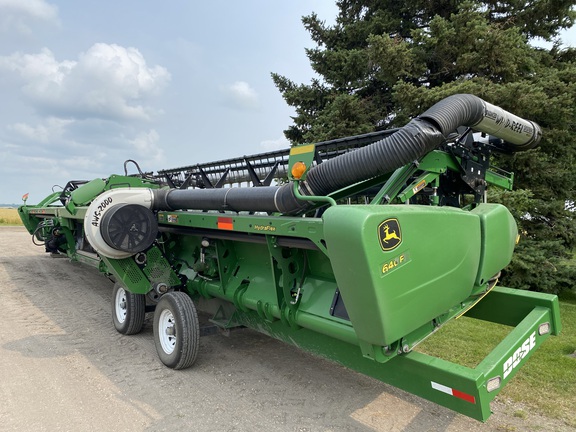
column 522, row 351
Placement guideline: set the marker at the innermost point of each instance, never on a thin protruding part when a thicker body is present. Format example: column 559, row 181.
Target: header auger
column 363, row 247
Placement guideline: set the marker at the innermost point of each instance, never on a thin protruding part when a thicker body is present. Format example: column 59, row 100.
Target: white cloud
column 277, row 144
column 51, row 130
column 241, row 95
column 107, row 81
column 147, row 148
column 80, row 163
column 89, row 112
column 16, row 15
column 78, row 147
column 49, row 144
column 57, row 151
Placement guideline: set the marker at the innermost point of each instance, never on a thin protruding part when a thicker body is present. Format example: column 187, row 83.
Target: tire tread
column 136, row 313
column 188, row 341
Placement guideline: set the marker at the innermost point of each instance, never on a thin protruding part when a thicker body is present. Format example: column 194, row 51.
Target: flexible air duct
column 420, row 136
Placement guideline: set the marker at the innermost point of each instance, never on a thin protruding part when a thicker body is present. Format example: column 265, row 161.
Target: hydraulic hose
column 257, row 199
column 419, row 137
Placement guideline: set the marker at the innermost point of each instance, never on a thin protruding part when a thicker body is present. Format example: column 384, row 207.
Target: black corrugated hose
column 419, row 137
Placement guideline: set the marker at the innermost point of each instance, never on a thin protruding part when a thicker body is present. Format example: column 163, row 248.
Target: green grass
column 546, row 383
column 9, row 216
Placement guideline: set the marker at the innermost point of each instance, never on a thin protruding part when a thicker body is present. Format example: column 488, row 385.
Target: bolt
column 161, row 288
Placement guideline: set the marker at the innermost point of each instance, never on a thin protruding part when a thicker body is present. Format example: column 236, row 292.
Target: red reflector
column 453, row 392
column 464, row 396
column 225, row 223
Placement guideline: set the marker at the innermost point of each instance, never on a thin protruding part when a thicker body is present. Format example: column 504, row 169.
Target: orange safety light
column 298, row 169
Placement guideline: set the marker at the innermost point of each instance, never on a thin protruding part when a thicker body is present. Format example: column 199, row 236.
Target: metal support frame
column 462, row 389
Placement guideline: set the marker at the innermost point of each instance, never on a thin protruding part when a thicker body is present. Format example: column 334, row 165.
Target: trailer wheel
column 176, row 330
column 128, row 310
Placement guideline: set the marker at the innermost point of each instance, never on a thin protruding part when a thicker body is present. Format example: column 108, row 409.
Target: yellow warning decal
column 419, row 187
column 302, row 149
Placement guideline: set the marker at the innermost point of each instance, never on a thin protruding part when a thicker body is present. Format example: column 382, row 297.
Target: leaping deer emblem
column 389, row 235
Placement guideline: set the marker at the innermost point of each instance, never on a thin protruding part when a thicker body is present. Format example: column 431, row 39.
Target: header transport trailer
column 364, row 247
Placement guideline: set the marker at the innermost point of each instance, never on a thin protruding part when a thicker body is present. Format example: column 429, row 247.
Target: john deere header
column 355, row 249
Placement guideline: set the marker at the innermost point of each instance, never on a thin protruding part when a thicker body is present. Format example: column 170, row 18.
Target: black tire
column 176, row 330
column 128, row 310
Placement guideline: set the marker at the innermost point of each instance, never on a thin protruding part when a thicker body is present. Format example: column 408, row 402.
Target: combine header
column 354, row 249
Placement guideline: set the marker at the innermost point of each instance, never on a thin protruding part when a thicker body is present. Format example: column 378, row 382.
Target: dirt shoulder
column 65, row 368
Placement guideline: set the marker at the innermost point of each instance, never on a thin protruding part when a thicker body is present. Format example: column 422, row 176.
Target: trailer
column 356, row 249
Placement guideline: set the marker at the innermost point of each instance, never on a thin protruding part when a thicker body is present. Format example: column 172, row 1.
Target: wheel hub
column 121, row 305
column 167, row 333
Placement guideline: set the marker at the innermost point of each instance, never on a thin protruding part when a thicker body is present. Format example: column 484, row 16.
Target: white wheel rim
column 121, row 305
column 167, row 331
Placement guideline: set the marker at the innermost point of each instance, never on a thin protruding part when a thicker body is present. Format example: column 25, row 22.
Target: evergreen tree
column 384, row 62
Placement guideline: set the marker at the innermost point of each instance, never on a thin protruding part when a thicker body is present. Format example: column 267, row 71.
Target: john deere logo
column 389, row 234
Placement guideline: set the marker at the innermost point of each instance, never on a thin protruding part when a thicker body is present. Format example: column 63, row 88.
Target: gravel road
column 65, row 368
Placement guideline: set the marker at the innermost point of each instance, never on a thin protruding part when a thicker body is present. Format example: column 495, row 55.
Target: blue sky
column 87, row 84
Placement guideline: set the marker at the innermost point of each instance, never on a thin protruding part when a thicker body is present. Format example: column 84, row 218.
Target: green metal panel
column 499, row 233
column 512, row 352
column 85, row 194
column 29, row 220
column 92, row 260
column 301, row 153
column 457, row 387
column 158, row 270
column 140, row 278
column 401, row 266
column 128, row 273
column 509, row 306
